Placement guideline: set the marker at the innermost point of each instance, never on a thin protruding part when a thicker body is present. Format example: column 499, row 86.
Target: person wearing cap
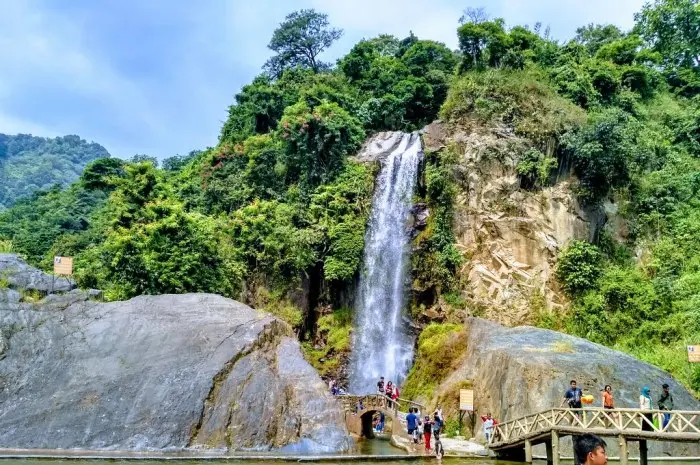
column 665, row 402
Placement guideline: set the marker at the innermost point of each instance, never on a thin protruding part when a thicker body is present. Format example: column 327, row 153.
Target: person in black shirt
column 380, row 386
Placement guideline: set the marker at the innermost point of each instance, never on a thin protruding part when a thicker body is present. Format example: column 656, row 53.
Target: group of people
column 421, row 429
column 574, row 398
column 389, row 389
column 335, row 388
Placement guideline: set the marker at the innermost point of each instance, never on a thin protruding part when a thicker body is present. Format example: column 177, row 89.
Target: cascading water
column 382, row 345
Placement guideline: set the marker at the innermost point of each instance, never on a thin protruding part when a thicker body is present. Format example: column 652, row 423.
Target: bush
column 440, row 347
column 578, row 267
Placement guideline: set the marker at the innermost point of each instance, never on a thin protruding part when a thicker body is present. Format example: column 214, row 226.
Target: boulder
column 160, row 372
column 524, row 370
column 20, row 275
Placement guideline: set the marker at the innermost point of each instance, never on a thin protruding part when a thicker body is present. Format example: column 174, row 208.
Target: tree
column 301, row 37
column 594, row 36
column 474, row 15
column 672, row 28
column 482, row 43
column 578, row 267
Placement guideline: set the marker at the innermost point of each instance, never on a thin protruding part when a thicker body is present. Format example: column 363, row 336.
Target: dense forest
column 29, row 164
column 277, row 207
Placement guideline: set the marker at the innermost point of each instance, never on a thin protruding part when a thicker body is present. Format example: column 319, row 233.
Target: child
column 589, row 449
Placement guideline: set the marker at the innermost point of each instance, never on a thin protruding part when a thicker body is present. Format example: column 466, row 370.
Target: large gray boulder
column 159, row 372
column 20, row 275
column 524, row 370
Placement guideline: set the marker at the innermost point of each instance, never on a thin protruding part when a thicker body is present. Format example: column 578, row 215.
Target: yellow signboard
column 63, row 265
column 694, row 353
column 466, row 400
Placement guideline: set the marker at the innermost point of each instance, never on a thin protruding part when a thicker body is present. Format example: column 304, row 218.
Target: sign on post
column 694, row 354
column 466, row 400
column 63, row 266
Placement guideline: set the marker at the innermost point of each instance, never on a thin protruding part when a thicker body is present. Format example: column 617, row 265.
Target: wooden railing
column 682, row 425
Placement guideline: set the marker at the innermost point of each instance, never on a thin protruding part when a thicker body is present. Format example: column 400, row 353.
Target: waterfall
column 382, row 345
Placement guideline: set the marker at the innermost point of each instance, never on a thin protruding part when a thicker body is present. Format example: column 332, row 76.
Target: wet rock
column 380, row 146
column 420, row 214
column 20, row 275
column 520, row 371
column 155, row 372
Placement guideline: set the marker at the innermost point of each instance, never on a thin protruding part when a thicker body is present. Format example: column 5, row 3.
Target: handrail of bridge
column 683, row 424
column 377, row 400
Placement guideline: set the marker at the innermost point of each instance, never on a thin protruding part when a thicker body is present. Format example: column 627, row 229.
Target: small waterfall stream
column 382, row 345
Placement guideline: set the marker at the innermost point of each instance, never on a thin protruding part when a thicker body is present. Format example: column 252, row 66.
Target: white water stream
column 382, row 345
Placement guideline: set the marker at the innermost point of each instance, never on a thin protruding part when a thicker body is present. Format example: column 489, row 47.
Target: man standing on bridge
column 412, row 424
column 573, row 397
column 665, row 403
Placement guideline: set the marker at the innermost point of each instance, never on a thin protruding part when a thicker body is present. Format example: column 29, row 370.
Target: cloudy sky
column 156, row 76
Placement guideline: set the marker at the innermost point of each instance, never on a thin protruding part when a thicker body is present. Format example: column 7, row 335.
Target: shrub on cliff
column 440, row 347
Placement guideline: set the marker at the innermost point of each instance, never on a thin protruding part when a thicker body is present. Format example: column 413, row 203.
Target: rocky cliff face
column 519, row 371
column 158, row 372
column 510, row 236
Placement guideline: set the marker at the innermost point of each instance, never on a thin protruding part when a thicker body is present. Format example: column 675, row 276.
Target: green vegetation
column 331, row 345
column 29, row 164
column 440, row 348
column 435, row 259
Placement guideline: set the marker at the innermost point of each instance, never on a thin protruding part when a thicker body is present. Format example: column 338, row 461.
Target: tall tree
column 298, row 41
column 672, row 28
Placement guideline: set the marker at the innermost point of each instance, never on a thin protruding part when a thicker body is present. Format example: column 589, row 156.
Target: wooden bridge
column 628, row 425
column 359, row 421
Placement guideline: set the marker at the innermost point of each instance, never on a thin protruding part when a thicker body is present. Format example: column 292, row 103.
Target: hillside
column 29, row 164
column 561, row 183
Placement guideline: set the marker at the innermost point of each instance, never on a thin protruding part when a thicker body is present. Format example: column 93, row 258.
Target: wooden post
column 528, row 451
column 548, row 446
column 624, row 454
column 555, row 447
column 643, row 452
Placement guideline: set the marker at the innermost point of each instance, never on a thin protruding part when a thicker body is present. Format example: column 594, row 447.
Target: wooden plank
column 528, row 451
column 555, row 447
column 624, row 451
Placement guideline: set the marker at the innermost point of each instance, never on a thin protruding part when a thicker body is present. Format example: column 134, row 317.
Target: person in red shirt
column 427, row 431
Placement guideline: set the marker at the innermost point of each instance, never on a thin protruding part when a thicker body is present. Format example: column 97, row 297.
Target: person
column 359, row 407
column 427, row 431
column 645, row 404
column 589, row 449
column 573, row 397
column 395, row 393
column 412, row 424
column 437, row 423
column 489, row 423
column 381, row 422
column 439, row 414
column 380, row 386
column 665, row 403
column 388, row 392
column 608, row 401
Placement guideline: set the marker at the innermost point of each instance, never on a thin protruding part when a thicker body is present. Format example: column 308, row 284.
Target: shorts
column 411, row 430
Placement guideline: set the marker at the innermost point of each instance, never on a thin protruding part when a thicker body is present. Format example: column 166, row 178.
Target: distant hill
column 29, row 163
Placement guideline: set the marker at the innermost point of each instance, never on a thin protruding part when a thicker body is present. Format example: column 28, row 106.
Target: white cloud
column 50, row 53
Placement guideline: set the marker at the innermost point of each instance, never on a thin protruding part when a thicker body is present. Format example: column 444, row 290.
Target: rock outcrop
column 159, row 372
column 519, row 371
column 512, row 236
column 20, row 275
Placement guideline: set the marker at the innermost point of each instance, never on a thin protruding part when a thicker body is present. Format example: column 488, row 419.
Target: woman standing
column 645, row 404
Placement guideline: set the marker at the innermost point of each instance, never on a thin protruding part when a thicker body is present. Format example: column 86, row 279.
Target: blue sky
column 156, row 76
